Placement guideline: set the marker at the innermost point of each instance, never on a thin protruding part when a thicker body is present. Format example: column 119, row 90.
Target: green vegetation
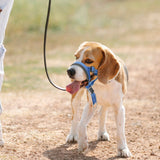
column 116, row 23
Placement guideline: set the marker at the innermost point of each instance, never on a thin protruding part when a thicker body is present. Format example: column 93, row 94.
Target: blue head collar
column 89, row 70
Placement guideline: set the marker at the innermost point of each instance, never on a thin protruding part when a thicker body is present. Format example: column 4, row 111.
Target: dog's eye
column 88, row 61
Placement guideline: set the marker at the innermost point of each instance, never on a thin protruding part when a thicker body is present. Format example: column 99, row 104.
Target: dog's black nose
column 71, row 72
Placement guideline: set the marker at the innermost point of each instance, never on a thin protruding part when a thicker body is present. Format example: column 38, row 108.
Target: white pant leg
column 1, row 139
column 5, row 6
column 2, row 54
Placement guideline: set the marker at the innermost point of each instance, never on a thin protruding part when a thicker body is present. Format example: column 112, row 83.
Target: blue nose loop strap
column 88, row 70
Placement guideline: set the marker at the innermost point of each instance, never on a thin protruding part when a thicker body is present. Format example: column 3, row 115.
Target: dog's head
column 96, row 55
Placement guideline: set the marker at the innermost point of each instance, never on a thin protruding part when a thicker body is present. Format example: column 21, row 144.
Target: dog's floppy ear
column 109, row 67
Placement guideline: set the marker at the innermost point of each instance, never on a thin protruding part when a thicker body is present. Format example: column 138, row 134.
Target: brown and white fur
column 110, row 89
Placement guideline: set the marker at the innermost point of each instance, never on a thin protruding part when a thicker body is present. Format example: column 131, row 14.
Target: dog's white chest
column 108, row 94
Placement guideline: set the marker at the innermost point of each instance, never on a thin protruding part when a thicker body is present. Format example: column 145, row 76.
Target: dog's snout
column 71, row 72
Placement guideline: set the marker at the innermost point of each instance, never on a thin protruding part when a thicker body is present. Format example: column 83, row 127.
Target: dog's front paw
column 104, row 136
column 125, row 153
column 71, row 138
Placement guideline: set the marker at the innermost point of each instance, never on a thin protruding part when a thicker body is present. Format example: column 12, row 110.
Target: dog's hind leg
column 75, row 103
column 123, row 150
column 102, row 133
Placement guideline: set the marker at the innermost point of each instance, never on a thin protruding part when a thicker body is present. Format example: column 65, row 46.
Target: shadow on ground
column 64, row 153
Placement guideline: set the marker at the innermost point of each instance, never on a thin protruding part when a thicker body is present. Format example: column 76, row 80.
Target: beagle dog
column 110, row 89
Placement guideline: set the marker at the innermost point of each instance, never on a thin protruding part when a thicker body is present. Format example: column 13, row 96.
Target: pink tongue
column 73, row 87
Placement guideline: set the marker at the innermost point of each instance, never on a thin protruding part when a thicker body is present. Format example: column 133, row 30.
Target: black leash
column 44, row 49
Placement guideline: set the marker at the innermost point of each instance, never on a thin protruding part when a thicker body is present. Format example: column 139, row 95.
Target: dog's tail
column 126, row 72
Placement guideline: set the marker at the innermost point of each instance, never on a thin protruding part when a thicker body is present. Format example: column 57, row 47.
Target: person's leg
column 2, row 53
column 5, row 9
column 1, row 139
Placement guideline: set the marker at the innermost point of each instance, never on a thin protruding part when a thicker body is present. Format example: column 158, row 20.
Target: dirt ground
column 36, row 124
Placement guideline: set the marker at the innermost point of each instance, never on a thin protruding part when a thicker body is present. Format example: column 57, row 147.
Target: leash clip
column 91, row 90
column 93, row 95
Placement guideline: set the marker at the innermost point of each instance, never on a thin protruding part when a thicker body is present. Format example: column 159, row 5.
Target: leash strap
column 91, row 91
column 44, row 49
